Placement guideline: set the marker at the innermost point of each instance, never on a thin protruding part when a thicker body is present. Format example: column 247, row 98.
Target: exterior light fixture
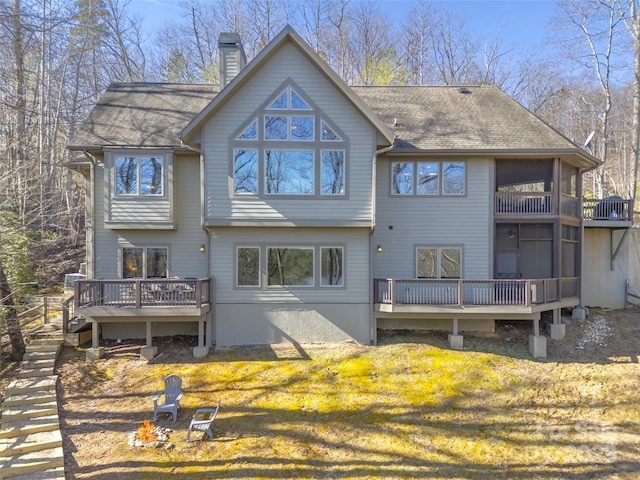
column 379, row 249
column 202, row 248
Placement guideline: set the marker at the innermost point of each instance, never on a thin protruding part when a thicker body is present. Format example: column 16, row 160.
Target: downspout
column 92, row 183
column 209, row 337
column 202, row 199
column 374, row 161
column 373, row 179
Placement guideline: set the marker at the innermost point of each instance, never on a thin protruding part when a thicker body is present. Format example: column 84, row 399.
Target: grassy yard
column 408, row 408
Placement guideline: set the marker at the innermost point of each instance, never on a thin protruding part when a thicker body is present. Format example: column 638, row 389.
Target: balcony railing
column 464, row 293
column 518, row 203
column 140, row 293
column 607, row 209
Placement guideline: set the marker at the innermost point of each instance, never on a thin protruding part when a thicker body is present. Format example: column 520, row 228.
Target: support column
column 96, row 351
column 557, row 330
column 149, row 351
column 201, row 350
column 456, row 341
column 537, row 342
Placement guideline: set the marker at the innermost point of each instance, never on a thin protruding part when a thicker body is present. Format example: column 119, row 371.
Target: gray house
column 287, row 206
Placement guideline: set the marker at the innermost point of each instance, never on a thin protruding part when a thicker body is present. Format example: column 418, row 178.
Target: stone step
column 30, row 398
column 50, row 474
column 31, row 462
column 31, row 363
column 17, row 428
column 20, row 412
column 40, row 356
column 41, row 347
column 34, row 372
column 26, row 385
column 30, row 443
column 47, row 338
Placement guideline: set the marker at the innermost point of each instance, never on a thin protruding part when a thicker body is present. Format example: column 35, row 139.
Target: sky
column 522, row 24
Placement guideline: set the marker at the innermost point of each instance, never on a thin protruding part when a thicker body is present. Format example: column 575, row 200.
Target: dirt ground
column 603, row 338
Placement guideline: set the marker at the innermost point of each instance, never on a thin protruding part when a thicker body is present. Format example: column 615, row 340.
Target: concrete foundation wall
column 634, row 262
column 137, row 330
column 604, row 284
column 468, row 325
column 250, row 324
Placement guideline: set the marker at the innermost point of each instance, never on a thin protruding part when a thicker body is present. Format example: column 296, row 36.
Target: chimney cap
column 229, row 38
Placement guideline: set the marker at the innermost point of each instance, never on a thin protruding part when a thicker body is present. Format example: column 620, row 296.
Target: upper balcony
column 610, row 212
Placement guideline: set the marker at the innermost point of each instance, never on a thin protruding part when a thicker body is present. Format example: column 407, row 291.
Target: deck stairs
column 30, row 438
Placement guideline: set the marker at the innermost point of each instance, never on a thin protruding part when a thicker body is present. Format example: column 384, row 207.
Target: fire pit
column 148, row 435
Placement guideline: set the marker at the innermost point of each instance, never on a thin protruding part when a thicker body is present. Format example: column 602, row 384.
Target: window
column 427, row 178
column 289, row 172
column 248, row 266
column 144, row 262
column 290, row 266
column 139, row 175
column 289, row 150
column 438, row 262
column 331, row 259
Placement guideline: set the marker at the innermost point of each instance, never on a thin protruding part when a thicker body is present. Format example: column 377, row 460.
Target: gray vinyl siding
column 185, row 258
column 149, row 211
column 356, row 264
column 459, row 221
column 221, row 206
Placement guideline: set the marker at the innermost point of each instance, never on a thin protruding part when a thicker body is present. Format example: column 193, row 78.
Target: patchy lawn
column 410, row 407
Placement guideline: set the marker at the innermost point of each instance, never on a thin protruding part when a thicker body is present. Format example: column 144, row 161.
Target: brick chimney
column 232, row 57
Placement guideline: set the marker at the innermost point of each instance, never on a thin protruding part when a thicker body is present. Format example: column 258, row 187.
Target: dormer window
column 289, row 148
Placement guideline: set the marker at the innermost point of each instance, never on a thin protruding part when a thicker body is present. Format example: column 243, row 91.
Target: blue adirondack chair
column 172, row 394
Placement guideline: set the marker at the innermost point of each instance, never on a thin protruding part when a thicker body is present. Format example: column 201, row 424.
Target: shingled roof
column 142, row 115
column 439, row 118
column 460, row 118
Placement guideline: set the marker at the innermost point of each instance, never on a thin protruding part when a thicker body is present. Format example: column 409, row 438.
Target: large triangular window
column 289, row 148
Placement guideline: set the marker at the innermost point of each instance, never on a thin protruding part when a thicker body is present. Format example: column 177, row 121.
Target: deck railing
column 534, row 203
column 465, row 292
column 616, row 209
column 140, row 293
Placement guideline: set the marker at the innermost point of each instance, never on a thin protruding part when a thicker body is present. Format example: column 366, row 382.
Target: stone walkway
column 30, row 439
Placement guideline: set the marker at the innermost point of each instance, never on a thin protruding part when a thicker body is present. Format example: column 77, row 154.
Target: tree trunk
column 13, row 324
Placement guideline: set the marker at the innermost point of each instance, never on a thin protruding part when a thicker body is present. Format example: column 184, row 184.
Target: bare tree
column 11, row 318
column 593, row 28
column 415, row 37
column 630, row 13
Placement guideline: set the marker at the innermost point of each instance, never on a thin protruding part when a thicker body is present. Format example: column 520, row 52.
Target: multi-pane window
column 427, row 178
column 300, row 266
column 144, row 262
column 289, row 149
column 438, row 262
column 138, row 175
